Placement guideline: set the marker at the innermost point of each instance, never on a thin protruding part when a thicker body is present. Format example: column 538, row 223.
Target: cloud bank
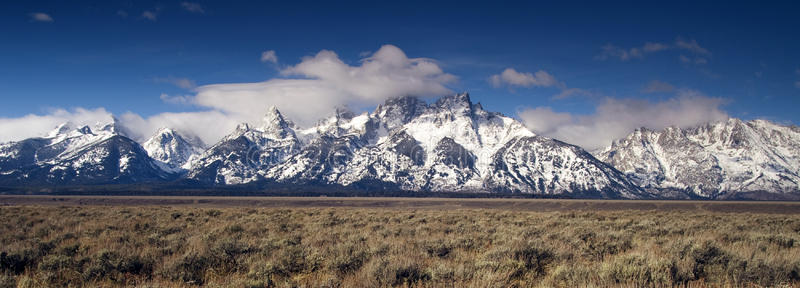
column 38, row 125
column 615, row 118
column 305, row 93
column 320, row 83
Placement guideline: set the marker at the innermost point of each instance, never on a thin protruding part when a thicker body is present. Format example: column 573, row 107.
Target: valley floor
column 81, row 241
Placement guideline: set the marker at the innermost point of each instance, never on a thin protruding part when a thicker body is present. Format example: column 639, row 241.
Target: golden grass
column 361, row 247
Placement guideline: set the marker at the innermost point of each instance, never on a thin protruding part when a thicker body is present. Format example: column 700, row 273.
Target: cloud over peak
column 615, row 118
column 320, row 83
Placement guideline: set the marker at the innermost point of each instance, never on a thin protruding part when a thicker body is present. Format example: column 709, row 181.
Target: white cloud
column 691, row 46
column 656, row 86
column 269, row 56
column 511, row 77
column 122, row 13
column 184, row 83
column 797, row 84
column 33, row 125
column 40, row 17
column 616, row 118
column 150, row 15
column 325, row 82
column 209, row 126
column 193, row 7
column 309, row 91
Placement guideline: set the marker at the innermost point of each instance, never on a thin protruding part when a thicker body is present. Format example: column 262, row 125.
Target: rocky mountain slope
column 451, row 145
column 78, row 155
column 731, row 159
column 172, row 151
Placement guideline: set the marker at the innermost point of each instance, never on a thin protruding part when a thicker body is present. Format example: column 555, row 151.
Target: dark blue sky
column 109, row 54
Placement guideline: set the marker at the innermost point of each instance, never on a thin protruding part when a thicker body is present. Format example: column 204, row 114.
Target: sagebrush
column 359, row 247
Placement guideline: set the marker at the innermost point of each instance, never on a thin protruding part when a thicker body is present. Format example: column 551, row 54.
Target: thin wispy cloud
column 691, row 46
column 41, row 17
column 193, row 7
column 150, row 15
column 176, row 99
column 572, row 92
column 184, row 83
column 269, row 56
column 692, row 60
column 610, row 51
column 657, row 86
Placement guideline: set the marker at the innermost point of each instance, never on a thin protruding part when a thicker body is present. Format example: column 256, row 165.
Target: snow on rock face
column 78, row 155
column 546, row 166
column 172, row 151
column 716, row 160
column 241, row 156
column 451, row 145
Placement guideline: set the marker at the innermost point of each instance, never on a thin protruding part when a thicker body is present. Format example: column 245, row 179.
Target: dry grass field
column 177, row 245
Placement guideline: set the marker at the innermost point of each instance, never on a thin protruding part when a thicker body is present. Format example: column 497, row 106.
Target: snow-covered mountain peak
column 275, row 126
column 85, row 129
column 719, row 159
column 61, row 129
column 395, row 112
column 172, row 151
column 458, row 103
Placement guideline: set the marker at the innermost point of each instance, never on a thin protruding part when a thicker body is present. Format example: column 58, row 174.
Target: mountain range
column 407, row 144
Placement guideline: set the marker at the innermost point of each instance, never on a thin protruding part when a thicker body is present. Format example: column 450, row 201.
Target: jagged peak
column 275, row 125
column 84, row 130
column 460, row 100
column 61, row 129
column 242, row 127
column 113, row 126
column 343, row 113
column 272, row 119
column 164, row 131
column 166, row 134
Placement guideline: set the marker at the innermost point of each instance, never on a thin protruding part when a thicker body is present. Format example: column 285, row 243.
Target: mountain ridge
column 405, row 144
